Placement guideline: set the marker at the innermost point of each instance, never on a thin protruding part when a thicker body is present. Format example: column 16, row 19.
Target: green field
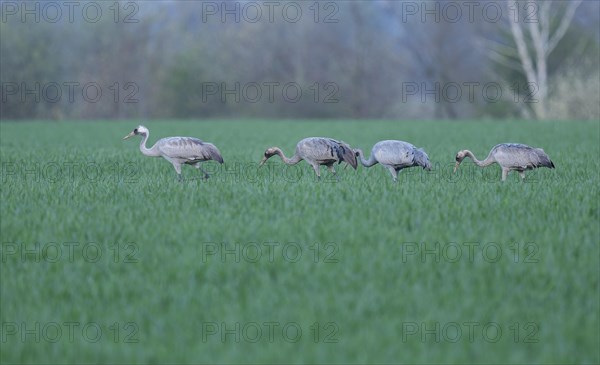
column 106, row 257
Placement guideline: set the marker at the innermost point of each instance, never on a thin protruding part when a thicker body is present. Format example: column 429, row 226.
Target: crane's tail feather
column 546, row 162
column 542, row 159
column 346, row 154
column 215, row 154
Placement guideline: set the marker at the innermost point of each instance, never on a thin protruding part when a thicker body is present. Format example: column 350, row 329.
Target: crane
column 395, row 156
column 178, row 150
column 316, row 151
column 510, row 157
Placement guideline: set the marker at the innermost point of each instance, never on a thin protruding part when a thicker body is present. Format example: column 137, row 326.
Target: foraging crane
column 395, row 156
column 178, row 150
column 316, row 151
column 510, row 156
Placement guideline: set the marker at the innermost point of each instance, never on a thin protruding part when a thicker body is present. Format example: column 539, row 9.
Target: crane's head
column 422, row 159
column 460, row 156
column 270, row 152
column 139, row 130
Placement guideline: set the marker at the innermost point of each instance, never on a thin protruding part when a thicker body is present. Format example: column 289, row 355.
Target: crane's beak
column 262, row 162
column 131, row 134
column 456, row 167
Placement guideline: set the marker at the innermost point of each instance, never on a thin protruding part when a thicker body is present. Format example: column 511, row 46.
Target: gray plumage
column 316, row 151
column 510, row 157
column 395, row 156
column 178, row 150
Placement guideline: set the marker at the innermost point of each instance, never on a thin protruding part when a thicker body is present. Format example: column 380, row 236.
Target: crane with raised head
column 178, row 150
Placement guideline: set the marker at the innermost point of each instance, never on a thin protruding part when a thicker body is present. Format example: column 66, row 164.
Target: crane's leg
column 317, row 169
column 332, row 170
column 522, row 174
column 178, row 170
column 394, row 172
column 505, row 174
column 206, row 176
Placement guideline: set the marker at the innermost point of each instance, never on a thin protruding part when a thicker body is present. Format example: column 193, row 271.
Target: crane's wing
column 396, row 153
column 326, row 150
column 189, row 148
column 521, row 156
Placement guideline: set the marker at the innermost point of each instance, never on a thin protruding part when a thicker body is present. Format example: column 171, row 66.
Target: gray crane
column 510, row 157
column 395, row 156
column 178, row 150
column 316, row 151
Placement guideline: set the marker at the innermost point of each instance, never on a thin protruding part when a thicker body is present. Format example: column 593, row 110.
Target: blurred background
column 303, row 59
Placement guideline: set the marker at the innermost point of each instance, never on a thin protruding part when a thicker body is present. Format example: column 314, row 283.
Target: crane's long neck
column 366, row 163
column 289, row 161
column 153, row 151
column 488, row 160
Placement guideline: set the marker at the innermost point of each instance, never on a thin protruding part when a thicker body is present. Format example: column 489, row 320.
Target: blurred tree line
column 358, row 59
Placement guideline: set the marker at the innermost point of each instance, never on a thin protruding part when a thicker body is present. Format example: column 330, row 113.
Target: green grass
column 79, row 182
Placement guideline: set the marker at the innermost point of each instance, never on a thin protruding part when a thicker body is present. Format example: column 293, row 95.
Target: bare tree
column 535, row 36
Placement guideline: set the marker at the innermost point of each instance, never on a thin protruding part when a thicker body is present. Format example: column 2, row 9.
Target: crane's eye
column 456, row 157
column 135, row 131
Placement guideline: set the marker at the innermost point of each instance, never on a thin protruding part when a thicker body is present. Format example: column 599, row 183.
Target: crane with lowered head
column 511, row 157
column 395, row 156
column 316, row 151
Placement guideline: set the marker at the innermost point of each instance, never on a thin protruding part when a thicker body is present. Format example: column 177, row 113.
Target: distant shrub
column 574, row 93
